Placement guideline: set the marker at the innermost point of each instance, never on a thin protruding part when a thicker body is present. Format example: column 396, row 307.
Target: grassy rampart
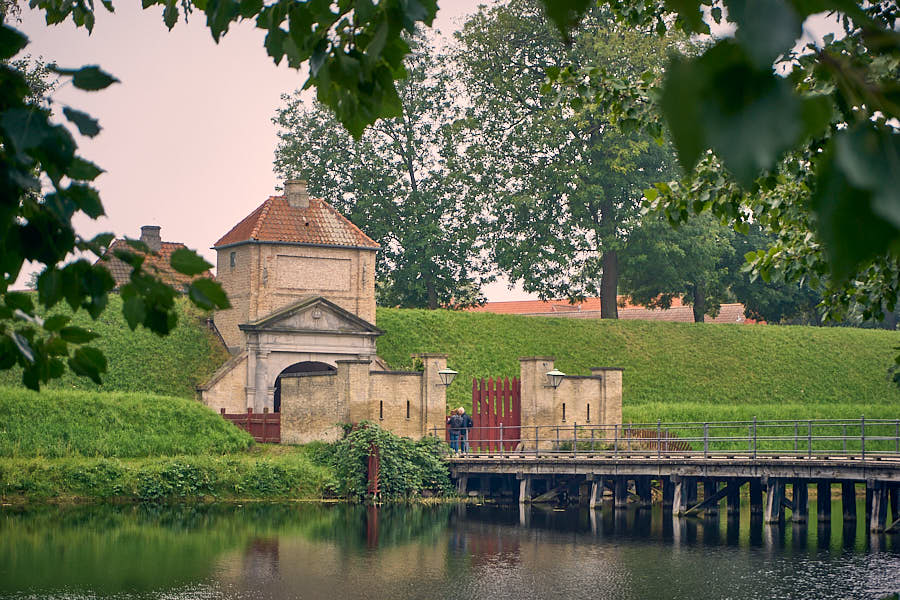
column 673, row 371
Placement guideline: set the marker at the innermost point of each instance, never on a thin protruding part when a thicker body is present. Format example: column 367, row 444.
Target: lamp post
column 554, row 378
column 447, row 376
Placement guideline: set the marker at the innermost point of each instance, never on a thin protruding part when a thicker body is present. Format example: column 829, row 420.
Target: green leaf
column 86, row 198
column 83, row 170
column 188, row 262
column 870, row 159
column 88, row 362
column 77, row 335
column 26, row 127
column 208, row 294
column 766, row 28
column 19, row 300
column 689, row 11
column 849, row 227
column 680, row 105
column 90, row 78
column 11, row 41
column 134, row 311
column 56, row 322
column 565, row 14
column 87, row 125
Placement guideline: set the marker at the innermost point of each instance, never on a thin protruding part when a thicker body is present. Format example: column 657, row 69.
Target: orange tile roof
column 154, row 263
column 277, row 221
column 590, row 309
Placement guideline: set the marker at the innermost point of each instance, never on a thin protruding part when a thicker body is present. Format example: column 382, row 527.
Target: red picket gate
column 496, row 403
column 264, row 426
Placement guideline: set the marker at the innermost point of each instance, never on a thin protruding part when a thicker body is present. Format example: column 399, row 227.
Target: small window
column 589, row 413
column 407, row 409
column 564, row 411
column 381, row 409
column 233, row 259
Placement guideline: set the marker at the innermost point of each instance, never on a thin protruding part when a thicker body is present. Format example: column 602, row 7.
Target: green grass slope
column 673, row 371
column 141, row 361
column 61, row 423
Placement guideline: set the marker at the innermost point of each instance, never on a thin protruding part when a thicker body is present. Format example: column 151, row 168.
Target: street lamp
column 555, row 377
column 447, row 376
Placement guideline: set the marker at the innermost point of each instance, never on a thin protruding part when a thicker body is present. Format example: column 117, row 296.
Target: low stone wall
column 395, row 399
column 312, row 408
column 226, row 388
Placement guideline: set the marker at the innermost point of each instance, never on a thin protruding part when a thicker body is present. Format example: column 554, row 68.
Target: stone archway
column 304, row 368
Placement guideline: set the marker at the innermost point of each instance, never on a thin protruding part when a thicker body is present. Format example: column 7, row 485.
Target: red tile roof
column 277, row 221
column 157, row 264
column 590, row 309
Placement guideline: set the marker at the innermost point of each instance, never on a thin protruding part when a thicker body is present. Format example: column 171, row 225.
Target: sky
column 187, row 140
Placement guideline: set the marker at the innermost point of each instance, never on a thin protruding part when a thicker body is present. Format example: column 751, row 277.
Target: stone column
column 261, row 391
column 537, row 398
column 353, row 386
column 611, row 401
column 434, row 394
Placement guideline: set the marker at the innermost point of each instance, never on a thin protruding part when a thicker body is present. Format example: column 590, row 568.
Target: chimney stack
column 296, row 194
column 150, row 236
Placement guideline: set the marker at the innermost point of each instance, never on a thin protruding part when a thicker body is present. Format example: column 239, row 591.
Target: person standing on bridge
column 467, row 424
column 455, row 423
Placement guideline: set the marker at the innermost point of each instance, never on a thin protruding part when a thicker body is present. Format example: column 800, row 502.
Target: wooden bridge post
column 668, row 492
column 848, row 497
column 733, row 499
column 823, row 501
column 894, row 494
column 870, row 484
column 462, row 485
column 774, row 500
column 756, row 497
column 879, row 507
column 800, row 501
column 691, row 483
column 643, row 488
column 682, row 498
column 710, row 489
column 621, row 492
column 524, row 488
column 596, row 491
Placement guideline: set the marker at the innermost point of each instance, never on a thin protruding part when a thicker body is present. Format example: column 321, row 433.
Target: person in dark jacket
column 455, row 422
column 467, row 425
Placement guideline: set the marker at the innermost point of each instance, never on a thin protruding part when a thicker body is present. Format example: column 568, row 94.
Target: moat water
column 264, row 551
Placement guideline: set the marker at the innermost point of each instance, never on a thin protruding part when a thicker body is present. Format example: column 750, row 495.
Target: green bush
column 408, row 467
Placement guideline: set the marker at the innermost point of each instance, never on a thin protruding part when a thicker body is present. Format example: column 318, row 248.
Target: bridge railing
column 750, row 439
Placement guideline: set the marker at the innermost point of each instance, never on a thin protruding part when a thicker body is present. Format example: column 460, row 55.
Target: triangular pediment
column 315, row 314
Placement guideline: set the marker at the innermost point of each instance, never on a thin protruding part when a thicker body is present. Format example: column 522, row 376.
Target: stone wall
column 312, row 408
column 226, row 388
column 267, row 277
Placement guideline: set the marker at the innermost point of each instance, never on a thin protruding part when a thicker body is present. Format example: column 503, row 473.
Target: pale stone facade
column 266, row 277
column 411, row 404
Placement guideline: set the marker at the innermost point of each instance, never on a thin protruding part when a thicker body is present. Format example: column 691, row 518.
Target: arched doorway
column 300, row 369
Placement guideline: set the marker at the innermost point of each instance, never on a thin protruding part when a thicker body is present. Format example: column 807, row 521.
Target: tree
column 405, row 179
column 802, row 140
column 692, row 262
column 564, row 186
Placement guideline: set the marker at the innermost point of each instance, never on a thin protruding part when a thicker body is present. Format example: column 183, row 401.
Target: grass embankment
column 141, row 361
column 62, row 445
column 673, row 371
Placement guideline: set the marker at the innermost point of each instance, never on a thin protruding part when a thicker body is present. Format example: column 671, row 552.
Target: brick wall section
column 312, row 408
column 267, row 277
column 391, row 392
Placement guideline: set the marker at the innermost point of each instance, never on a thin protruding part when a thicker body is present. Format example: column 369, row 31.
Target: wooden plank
column 713, row 499
column 620, row 495
column 756, row 497
column 800, row 500
column 774, row 500
column 848, row 497
column 823, row 501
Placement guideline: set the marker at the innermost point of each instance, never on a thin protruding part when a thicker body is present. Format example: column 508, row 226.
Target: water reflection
column 444, row 551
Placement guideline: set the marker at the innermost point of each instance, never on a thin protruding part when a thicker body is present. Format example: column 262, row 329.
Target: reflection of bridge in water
column 694, row 467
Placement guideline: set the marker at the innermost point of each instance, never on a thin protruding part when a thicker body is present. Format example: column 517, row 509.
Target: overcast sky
column 187, row 140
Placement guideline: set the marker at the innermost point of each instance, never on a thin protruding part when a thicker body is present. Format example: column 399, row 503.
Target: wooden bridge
column 693, row 467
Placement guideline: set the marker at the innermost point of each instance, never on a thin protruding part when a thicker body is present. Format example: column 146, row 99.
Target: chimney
column 296, row 194
column 150, row 236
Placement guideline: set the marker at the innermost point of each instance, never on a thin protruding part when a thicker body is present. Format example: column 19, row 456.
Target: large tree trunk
column 699, row 303
column 432, row 294
column 609, row 286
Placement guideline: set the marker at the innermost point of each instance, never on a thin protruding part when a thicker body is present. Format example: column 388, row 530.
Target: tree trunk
column 432, row 294
column 699, row 303
column 609, row 286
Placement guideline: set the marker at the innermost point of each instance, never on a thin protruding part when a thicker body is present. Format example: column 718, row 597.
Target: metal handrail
column 790, row 438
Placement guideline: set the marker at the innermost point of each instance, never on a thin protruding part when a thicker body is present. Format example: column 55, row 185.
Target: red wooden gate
column 496, row 413
column 264, row 426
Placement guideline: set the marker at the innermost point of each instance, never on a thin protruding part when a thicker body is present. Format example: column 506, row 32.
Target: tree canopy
column 405, row 180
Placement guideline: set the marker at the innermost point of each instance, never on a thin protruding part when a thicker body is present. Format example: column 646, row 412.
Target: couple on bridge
column 459, row 423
